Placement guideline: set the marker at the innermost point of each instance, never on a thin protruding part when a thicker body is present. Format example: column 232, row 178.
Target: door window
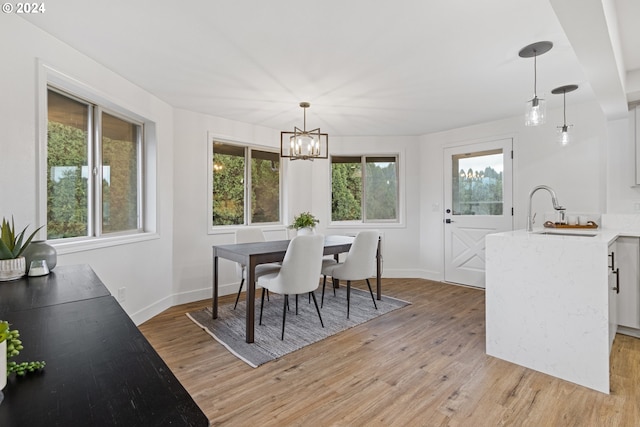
column 477, row 180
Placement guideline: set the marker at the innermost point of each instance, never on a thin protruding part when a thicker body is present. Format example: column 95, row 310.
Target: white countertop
column 613, row 226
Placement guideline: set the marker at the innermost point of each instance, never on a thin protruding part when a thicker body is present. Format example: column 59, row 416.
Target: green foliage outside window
column 67, row 188
column 478, row 192
column 72, row 151
column 229, row 186
column 379, row 183
column 381, row 191
column 346, row 183
column 265, row 187
column 120, row 162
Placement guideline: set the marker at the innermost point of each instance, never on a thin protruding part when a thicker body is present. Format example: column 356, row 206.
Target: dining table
column 252, row 254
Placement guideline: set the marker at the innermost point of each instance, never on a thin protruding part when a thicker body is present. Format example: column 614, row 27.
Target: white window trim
column 47, row 75
column 401, row 222
column 226, row 229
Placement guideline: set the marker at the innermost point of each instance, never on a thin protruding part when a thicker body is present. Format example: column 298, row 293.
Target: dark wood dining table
column 252, row 254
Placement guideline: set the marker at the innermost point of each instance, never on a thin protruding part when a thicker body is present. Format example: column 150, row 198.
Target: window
column 364, row 188
column 477, row 183
column 244, row 180
column 94, row 173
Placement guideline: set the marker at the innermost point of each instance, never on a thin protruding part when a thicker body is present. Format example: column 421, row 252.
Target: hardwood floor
column 423, row 365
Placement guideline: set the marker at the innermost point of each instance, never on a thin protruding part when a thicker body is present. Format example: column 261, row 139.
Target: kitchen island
column 550, row 303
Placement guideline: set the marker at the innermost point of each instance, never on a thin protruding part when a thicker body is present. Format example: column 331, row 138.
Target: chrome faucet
column 554, row 200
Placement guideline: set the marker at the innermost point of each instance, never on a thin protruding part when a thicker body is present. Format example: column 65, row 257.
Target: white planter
column 3, row 365
column 11, row 269
column 306, row 231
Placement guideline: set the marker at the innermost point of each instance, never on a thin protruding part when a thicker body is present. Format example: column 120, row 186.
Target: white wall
column 192, row 253
column 143, row 268
column 577, row 172
column 623, row 195
column 400, row 248
column 591, row 175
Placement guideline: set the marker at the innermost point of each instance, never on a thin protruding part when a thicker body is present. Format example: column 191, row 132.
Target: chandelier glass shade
column 304, row 144
column 536, row 107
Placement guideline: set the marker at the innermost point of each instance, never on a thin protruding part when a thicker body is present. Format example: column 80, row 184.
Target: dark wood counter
column 101, row 371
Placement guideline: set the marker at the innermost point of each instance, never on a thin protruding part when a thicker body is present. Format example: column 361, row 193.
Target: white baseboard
column 629, row 331
column 163, row 304
column 398, row 273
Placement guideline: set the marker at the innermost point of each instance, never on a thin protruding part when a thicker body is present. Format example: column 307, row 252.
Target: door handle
column 617, row 273
column 449, row 221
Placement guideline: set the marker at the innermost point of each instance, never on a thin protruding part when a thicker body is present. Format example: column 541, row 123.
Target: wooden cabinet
column 627, row 259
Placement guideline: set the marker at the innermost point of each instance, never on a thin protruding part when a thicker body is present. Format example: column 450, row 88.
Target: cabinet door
column 613, row 289
column 627, row 259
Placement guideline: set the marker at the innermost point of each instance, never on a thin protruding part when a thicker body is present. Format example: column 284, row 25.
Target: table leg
column 379, row 271
column 251, row 298
column 214, row 302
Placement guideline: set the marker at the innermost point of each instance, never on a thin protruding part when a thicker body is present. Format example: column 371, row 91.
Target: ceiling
column 407, row 67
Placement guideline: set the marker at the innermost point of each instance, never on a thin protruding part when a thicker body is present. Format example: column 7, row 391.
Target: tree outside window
column 244, row 180
column 373, row 179
column 82, row 139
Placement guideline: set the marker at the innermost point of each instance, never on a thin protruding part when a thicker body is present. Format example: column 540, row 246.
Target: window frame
column 399, row 220
column 248, row 149
column 50, row 78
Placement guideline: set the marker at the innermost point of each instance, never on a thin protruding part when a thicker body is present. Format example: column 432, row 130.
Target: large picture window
column 364, row 188
column 245, row 185
column 94, row 172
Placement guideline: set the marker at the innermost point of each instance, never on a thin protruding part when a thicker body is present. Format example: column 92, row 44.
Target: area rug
column 300, row 330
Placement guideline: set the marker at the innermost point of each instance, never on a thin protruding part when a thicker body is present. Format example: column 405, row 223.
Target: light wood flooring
column 423, row 365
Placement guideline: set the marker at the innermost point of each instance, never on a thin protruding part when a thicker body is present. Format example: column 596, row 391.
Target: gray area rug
column 300, row 330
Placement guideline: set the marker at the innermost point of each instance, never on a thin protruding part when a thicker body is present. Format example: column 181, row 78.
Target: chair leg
column 348, row 296
column 261, row 305
column 239, row 292
column 371, row 292
column 284, row 314
column 296, row 304
column 312, row 294
column 324, row 283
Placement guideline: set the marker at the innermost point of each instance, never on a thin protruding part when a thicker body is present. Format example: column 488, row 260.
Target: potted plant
column 4, row 335
column 12, row 263
column 304, row 223
column 10, row 346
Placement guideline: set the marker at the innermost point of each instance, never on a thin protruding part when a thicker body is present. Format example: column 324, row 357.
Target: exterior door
column 477, row 201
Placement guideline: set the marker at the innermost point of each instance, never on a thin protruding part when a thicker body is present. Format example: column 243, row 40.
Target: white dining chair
column 359, row 264
column 299, row 273
column 251, row 235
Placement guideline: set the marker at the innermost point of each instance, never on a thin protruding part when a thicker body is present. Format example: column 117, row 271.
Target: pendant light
column 304, row 144
column 535, row 113
column 564, row 136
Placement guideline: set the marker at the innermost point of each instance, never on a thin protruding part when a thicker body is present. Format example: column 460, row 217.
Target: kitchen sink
column 560, row 233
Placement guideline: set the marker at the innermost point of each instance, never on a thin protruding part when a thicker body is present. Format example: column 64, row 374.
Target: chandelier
column 304, row 144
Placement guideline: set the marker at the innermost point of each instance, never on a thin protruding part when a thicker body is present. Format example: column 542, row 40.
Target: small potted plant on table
column 305, row 223
column 12, row 263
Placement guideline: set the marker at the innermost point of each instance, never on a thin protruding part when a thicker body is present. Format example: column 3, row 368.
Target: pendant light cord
column 535, row 73
column 564, row 106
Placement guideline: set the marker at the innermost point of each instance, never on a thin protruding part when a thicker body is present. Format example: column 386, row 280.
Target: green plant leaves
column 11, row 246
